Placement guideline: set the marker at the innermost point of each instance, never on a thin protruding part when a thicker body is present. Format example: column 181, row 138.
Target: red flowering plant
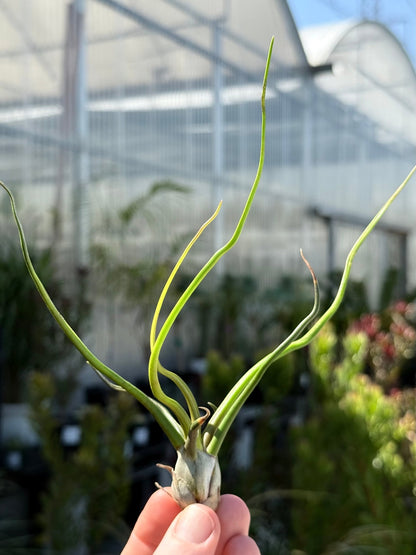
column 391, row 342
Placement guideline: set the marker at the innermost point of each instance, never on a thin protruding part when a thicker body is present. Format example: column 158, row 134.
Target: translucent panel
column 169, row 90
column 371, row 72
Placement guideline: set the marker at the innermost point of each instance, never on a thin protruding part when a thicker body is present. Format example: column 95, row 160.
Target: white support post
column 81, row 168
column 307, row 140
column 218, row 135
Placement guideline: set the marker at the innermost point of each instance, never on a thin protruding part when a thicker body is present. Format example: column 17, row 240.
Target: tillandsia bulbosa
column 197, row 433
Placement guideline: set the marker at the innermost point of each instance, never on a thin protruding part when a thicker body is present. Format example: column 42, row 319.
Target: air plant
column 197, row 437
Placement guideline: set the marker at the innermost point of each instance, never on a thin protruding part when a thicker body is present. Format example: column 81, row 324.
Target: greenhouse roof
column 173, row 41
column 136, row 53
column 371, row 72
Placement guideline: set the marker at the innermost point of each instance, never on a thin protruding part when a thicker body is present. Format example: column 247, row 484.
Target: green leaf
column 160, row 413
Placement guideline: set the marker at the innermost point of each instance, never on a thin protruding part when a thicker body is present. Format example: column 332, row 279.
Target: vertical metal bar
column 65, row 124
column 307, row 139
column 403, row 264
column 189, row 143
column 218, row 133
column 243, row 134
column 81, row 158
column 331, row 245
column 27, row 88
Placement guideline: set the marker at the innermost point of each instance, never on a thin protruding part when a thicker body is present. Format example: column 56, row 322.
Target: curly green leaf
column 158, row 411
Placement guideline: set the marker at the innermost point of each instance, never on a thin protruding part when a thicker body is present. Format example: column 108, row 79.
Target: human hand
column 163, row 528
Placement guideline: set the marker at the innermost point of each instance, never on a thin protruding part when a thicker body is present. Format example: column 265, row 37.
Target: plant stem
column 225, row 414
column 154, row 365
column 158, row 342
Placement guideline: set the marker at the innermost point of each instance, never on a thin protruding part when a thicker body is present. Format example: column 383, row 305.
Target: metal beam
column 354, row 220
column 150, row 23
column 197, row 16
column 332, row 217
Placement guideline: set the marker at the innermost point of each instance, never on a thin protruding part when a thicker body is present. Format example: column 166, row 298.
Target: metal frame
column 331, row 218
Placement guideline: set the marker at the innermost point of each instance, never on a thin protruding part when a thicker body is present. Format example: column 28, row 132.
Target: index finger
column 152, row 524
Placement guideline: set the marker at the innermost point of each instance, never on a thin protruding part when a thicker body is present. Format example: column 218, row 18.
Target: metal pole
column 331, row 245
column 81, row 158
column 403, row 265
column 307, row 179
column 218, row 134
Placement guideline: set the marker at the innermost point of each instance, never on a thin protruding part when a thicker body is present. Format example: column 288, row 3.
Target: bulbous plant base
column 196, row 478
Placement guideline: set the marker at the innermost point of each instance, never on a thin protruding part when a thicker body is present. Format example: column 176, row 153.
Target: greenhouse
column 114, row 97
column 124, row 123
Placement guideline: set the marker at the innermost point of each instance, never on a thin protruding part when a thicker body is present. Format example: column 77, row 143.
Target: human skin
column 163, row 528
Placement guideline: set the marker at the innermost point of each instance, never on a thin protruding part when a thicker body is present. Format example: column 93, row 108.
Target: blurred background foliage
column 355, row 456
column 88, row 491
column 334, row 443
column 29, row 338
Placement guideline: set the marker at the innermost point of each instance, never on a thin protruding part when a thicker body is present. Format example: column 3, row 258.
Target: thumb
column 195, row 531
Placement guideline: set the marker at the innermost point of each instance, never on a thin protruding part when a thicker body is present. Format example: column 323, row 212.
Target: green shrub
column 354, row 458
column 29, row 337
column 220, row 375
column 88, row 490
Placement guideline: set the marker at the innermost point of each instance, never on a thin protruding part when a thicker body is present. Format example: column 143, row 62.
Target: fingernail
column 194, row 525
